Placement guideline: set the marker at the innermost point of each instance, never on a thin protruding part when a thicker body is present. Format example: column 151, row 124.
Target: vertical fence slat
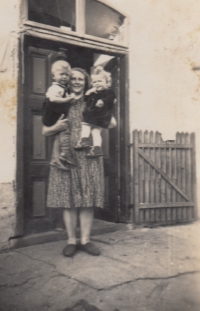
column 188, row 175
column 158, row 177
column 163, row 184
column 146, row 175
column 136, row 176
column 193, row 157
column 141, row 180
column 178, row 159
column 152, row 178
column 183, row 173
column 174, row 177
column 169, row 174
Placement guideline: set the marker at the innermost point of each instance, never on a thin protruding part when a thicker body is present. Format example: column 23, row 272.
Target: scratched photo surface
column 127, row 202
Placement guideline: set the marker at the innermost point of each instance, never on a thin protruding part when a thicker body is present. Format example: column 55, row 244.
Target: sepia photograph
column 99, row 155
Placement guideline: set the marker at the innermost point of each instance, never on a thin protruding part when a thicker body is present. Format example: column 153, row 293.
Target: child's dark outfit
column 51, row 113
column 99, row 116
column 96, row 117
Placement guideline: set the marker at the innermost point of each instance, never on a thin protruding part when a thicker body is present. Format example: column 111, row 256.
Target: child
column 98, row 112
column 57, row 102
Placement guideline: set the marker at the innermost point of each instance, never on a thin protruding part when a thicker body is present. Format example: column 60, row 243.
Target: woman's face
column 77, row 82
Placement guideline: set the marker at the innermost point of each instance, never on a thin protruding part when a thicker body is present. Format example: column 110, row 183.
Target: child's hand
column 90, row 91
column 93, row 90
column 72, row 95
column 99, row 103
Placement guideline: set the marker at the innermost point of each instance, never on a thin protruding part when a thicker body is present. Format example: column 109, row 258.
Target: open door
column 39, row 56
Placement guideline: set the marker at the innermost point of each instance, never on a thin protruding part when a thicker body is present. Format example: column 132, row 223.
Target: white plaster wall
column 8, row 104
column 164, row 47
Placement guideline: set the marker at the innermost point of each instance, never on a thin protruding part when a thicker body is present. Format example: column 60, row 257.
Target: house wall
column 8, row 104
column 164, row 48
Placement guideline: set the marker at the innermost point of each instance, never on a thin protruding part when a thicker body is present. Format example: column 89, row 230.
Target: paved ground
column 143, row 269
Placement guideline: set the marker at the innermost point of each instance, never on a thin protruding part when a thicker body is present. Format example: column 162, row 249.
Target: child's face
column 61, row 75
column 99, row 82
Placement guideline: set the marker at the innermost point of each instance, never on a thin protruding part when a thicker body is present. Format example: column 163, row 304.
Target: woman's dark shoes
column 82, row 144
column 90, row 249
column 69, row 250
column 94, row 152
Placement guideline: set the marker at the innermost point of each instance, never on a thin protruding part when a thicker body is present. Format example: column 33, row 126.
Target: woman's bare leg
column 70, row 220
column 86, row 216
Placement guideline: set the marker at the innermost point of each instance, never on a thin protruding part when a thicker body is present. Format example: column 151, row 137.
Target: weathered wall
column 164, row 47
column 8, row 105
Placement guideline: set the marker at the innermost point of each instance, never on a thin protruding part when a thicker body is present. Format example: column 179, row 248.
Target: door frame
column 122, row 204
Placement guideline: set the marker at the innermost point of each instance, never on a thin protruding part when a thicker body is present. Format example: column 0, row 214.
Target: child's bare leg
column 84, row 141
column 85, row 130
column 56, row 153
column 96, row 150
column 113, row 123
column 96, row 136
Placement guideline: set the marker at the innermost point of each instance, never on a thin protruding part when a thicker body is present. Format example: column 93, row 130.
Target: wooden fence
column 164, row 184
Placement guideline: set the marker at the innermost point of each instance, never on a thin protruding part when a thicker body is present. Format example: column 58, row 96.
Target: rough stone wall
column 8, row 110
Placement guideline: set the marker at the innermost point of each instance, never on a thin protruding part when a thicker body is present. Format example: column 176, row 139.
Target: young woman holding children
column 81, row 188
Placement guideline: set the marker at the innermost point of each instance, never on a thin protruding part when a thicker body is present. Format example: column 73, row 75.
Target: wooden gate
column 164, row 178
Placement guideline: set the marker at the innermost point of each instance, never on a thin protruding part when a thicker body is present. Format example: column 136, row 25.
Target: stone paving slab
column 97, row 272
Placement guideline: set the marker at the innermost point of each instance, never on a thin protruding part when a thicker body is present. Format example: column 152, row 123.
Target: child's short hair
column 99, row 70
column 60, row 64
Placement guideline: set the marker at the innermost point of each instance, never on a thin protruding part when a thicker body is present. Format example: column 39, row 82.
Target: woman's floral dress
column 83, row 185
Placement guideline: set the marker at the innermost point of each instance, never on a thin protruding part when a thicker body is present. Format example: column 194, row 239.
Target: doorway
column 39, row 55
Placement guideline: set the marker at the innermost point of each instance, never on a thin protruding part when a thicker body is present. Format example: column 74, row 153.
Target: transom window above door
column 85, row 18
column 58, row 13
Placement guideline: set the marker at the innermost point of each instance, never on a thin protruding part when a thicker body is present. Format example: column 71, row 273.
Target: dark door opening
column 39, row 55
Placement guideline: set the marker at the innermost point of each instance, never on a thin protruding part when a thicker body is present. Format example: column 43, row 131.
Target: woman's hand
column 59, row 126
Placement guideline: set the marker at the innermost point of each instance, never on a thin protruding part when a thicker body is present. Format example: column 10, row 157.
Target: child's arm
column 61, row 100
column 55, row 94
column 90, row 91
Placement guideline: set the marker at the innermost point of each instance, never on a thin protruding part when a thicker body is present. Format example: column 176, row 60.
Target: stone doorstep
column 99, row 227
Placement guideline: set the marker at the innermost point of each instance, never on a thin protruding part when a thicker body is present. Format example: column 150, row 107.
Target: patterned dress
column 83, row 185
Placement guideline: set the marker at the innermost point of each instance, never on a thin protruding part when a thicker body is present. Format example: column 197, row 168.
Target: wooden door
column 37, row 148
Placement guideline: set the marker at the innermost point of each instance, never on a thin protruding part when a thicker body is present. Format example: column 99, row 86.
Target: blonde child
column 57, row 103
column 98, row 112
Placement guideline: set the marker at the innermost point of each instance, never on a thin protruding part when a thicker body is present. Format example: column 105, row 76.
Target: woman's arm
column 59, row 126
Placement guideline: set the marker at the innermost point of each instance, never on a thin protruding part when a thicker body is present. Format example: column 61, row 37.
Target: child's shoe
column 56, row 162
column 66, row 157
column 83, row 143
column 95, row 152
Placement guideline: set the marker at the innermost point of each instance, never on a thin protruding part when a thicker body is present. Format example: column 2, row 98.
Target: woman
column 81, row 189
